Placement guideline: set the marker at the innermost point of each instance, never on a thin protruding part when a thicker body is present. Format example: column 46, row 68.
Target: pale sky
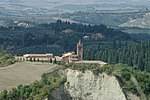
column 52, row 3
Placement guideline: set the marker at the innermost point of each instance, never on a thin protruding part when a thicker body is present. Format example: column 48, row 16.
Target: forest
column 51, row 38
column 136, row 55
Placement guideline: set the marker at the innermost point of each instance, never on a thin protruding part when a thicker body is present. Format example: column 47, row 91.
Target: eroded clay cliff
column 87, row 86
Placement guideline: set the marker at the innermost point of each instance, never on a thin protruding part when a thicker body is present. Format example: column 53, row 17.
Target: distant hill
column 138, row 23
column 108, row 19
column 76, row 5
column 42, row 11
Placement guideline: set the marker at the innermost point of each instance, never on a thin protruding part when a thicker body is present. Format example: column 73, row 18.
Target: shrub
column 131, row 87
column 126, row 74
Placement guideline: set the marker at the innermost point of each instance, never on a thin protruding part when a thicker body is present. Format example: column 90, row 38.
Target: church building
column 67, row 58
column 72, row 57
column 80, row 51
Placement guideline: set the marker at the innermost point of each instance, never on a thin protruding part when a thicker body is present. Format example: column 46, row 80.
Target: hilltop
column 138, row 23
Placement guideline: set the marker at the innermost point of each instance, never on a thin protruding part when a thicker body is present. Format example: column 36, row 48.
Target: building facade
column 68, row 57
column 34, row 57
column 72, row 57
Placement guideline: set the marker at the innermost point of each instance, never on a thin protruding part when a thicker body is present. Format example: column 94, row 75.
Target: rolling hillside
column 143, row 22
column 22, row 73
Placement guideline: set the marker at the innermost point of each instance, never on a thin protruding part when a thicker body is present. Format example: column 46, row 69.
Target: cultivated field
column 22, row 73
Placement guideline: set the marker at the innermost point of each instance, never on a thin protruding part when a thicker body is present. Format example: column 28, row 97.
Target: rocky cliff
column 87, row 86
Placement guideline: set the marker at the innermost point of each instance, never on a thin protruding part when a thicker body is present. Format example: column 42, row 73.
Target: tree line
column 136, row 55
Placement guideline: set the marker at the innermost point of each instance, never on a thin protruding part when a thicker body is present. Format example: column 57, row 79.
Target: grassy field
column 22, row 73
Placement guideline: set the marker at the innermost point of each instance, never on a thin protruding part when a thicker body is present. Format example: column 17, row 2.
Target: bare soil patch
column 22, row 73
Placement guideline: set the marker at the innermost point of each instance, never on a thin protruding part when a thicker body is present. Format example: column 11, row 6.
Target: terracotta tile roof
column 18, row 56
column 67, row 54
column 38, row 55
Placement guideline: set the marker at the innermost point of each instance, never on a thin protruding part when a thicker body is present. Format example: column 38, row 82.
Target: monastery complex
column 68, row 57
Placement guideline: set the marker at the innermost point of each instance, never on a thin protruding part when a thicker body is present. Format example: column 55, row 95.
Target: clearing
column 22, row 73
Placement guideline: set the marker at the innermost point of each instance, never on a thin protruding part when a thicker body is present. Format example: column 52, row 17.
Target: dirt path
column 22, row 73
column 143, row 97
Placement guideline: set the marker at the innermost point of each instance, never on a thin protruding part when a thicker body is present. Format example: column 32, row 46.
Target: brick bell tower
column 80, row 50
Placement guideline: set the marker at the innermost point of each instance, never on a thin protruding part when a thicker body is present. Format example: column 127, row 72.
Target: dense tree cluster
column 6, row 59
column 144, row 80
column 108, row 32
column 136, row 55
column 51, row 38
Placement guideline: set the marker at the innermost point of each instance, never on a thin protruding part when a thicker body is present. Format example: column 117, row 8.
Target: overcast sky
column 51, row 3
column 76, row 1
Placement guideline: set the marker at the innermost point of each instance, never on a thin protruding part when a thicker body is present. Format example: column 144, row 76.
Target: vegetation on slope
column 144, row 80
column 39, row 90
column 6, row 59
